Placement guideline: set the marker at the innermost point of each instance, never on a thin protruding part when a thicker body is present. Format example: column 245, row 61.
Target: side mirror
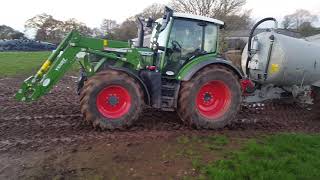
column 149, row 22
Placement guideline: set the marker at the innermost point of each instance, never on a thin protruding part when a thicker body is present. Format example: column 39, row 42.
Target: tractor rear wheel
column 111, row 100
column 211, row 99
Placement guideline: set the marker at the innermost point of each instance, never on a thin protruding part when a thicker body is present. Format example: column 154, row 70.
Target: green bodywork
column 189, row 66
column 122, row 53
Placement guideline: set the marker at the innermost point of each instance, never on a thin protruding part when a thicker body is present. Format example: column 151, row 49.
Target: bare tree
column 7, row 32
column 37, row 21
column 107, row 27
column 286, row 22
column 154, row 11
column 198, row 7
column 227, row 10
column 299, row 17
column 238, row 21
column 74, row 24
column 96, row 32
column 307, row 29
column 224, row 8
column 129, row 28
column 211, row 8
column 52, row 30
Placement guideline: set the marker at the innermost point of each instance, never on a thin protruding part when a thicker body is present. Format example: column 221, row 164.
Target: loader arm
column 60, row 61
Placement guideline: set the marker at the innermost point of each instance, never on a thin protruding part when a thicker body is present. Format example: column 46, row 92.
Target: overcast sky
column 15, row 12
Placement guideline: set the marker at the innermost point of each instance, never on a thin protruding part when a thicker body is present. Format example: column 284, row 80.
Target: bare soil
column 47, row 140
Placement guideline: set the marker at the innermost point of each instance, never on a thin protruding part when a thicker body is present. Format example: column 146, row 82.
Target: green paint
column 99, row 64
column 88, row 67
column 186, row 68
column 134, row 58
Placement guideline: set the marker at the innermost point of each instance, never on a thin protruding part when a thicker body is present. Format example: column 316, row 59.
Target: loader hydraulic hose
column 250, row 40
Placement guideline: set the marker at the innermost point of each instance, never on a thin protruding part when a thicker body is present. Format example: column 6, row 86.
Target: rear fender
column 190, row 69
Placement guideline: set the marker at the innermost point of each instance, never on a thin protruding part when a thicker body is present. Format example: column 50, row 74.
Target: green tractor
column 180, row 71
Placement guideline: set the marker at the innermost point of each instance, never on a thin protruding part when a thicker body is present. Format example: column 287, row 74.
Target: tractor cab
column 178, row 38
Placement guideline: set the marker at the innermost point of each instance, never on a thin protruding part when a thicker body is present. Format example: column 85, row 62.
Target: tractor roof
column 197, row 17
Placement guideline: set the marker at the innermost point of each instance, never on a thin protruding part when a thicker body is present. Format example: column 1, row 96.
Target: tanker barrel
column 282, row 60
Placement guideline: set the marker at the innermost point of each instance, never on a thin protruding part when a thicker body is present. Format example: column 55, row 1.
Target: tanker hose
column 250, row 40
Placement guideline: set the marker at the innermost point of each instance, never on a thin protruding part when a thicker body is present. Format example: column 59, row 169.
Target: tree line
column 232, row 12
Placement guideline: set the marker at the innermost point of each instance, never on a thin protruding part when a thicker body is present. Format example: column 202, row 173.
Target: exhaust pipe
column 140, row 33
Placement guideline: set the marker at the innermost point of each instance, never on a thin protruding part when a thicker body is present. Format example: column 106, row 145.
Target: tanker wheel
column 211, row 99
column 111, row 100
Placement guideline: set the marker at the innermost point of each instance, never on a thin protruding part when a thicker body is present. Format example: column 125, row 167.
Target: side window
column 163, row 36
column 210, row 40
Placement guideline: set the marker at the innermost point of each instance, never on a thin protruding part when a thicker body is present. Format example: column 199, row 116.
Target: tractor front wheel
column 111, row 100
column 211, row 99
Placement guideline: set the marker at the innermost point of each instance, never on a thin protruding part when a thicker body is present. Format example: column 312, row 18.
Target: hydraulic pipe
column 250, row 40
column 269, row 57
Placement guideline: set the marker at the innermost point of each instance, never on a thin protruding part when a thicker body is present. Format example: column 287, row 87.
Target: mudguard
column 193, row 68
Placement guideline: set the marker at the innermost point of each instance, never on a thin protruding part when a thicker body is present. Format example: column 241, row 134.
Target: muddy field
column 46, row 139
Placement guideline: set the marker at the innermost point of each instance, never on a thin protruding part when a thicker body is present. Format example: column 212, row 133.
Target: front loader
column 180, row 71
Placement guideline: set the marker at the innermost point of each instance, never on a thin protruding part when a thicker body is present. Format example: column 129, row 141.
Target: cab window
column 192, row 37
column 210, row 38
column 185, row 36
column 189, row 39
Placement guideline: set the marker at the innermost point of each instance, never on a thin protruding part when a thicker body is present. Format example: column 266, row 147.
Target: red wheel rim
column 213, row 99
column 113, row 101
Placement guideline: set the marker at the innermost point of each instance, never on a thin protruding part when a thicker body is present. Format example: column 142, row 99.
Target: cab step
column 169, row 94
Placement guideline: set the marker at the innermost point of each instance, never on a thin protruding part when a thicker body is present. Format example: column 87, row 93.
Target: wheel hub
column 213, row 99
column 207, row 97
column 113, row 102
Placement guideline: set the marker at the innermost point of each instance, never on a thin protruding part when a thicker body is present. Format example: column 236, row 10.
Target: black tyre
column 211, row 99
column 111, row 100
column 316, row 102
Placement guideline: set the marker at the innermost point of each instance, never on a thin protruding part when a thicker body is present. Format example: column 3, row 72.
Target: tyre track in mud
column 55, row 120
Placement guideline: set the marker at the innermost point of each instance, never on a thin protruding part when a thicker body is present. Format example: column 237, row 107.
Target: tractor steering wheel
column 176, row 46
